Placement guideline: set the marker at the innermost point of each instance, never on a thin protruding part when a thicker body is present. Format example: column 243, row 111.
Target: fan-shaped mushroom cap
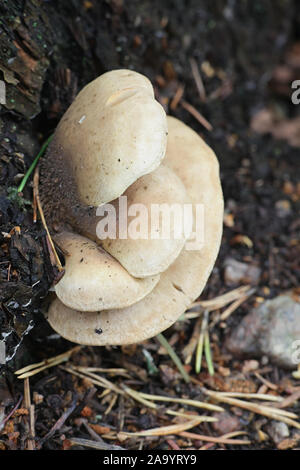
column 143, row 257
column 113, row 133
column 94, row 280
column 186, row 155
column 183, row 281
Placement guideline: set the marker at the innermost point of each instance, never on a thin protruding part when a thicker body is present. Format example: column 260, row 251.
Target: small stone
column 272, row 330
column 283, row 208
column 168, row 374
column 250, row 366
column 236, row 272
column 289, row 443
column 226, row 423
column 278, row 431
column 224, row 371
column 37, row 398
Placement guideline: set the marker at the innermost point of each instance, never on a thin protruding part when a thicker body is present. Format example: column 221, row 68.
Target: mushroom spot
column 178, row 288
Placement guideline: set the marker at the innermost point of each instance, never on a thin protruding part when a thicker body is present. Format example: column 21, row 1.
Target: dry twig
column 30, row 408
column 97, row 445
column 38, row 202
column 60, row 422
column 177, row 97
column 198, row 80
column 198, row 116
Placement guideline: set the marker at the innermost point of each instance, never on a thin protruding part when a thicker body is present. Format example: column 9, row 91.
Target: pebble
column 236, row 272
column 278, row 431
column 226, row 423
column 272, row 330
column 283, row 208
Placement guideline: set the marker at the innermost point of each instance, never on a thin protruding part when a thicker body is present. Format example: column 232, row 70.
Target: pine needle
column 140, row 397
column 207, row 419
column 94, row 378
column 222, row 300
column 199, row 350
column 256, row 396
column 183, row 401
column 208, row 356
column 174, row 357
column 225, row 439
column 137, row 396
column 190, row 347
column 232, row 308
column 34, row 369
column 164, row 430
column 270, row 412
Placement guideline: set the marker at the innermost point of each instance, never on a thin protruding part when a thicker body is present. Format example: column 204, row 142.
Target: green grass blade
column 173, row 356
column 208, row 356
column 33, row 164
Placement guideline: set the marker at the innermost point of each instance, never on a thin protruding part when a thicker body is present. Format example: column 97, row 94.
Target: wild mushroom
column 113, row 133
column 93, row 279
column 149, row 256
column 183, row 281
column 110, row 140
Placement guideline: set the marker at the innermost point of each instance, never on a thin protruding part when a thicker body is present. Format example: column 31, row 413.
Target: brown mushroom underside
column 183, row 281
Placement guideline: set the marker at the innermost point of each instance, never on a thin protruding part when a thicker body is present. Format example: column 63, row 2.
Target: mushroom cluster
column 116, row 143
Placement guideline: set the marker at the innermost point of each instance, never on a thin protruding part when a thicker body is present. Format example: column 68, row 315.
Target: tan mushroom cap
column 94, row 280
column 146, row 256
column 113, row 133
column 184, row 280
column 185, row 155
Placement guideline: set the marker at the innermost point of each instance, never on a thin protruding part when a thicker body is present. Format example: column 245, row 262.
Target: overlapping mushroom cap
column 149, row 256
column 132, row 289
column 113, row 133
column 95, row 280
